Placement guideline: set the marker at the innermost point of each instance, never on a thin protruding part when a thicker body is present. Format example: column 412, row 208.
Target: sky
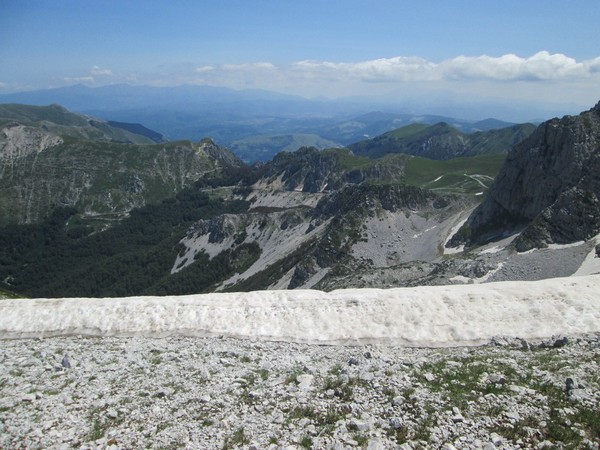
column 428, row 51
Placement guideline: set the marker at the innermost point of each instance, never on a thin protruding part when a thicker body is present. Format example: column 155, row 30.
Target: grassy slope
column 60, row 121
column 435, row 141
column 29, row 115
column 457, row 174
column 409, row 130
column 8, row 294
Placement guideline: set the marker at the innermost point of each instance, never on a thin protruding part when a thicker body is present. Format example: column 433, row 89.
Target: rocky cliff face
column 549, row 187
column 40, row 170
column 311, row 170
column 303, row 246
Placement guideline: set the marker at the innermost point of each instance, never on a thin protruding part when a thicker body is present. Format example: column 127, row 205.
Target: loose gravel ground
column 220, row 393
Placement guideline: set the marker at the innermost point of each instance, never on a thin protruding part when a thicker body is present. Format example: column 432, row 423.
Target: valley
column 440, row 293
column 204, row 221
column 321, row 225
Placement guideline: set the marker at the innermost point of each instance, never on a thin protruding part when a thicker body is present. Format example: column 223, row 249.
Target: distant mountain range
column 442, row 141
column 254, row 124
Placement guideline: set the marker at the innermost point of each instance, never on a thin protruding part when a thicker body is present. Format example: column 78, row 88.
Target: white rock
column 448, row 447
column 496, row 439
column 375, row 444
column 359, row 425
column 28, row 398
column 305, row 381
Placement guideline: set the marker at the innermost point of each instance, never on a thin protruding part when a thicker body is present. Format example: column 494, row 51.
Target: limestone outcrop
column 548, row 188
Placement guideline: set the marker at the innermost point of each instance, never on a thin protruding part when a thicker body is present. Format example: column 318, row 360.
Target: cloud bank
column 377, row 76
column 560, row 82
column 96, row 74
column 541, row 66
column 98, row 71
column 551, row 78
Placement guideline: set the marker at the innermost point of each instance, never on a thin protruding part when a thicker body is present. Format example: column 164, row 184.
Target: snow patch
column 491, row 250
column 487, row 276
column 483, row 279
column 527, row 252
column 421, row 316
column 552, row 247
column 591, row 263
column 560, row 246
column 461, row 279
column 453, row 231
column 454, row 250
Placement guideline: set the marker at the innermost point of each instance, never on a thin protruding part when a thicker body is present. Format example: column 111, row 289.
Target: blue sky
column 545, row 51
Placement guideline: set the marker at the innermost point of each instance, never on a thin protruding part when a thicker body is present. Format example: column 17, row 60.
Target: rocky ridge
column 548, row 188
column 44, row 167
column 58, row 121
column 310, row 170
column 215, row 393
column 442, row 141
column 311, row 237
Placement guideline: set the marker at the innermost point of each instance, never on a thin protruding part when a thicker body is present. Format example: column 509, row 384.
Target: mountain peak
column 547, row 187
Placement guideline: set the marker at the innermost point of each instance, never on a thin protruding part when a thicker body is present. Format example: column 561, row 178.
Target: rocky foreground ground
column 221, row 393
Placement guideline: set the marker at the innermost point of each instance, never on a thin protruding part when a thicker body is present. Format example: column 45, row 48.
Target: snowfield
column 422, row 316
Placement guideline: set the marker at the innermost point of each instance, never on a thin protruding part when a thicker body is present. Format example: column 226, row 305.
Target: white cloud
column 400, row 68
column 249, row 66
column 86, row 79
column 475, row 74
column 553, row 78
column 91, row 78
column 204, row 69
column 593, row 65
column 98, row 71
column 541, row 66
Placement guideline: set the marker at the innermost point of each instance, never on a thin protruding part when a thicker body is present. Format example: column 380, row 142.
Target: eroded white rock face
column 421, row 316
column 20, row 140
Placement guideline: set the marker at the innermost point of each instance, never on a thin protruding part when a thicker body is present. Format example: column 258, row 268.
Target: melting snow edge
column 423, row 316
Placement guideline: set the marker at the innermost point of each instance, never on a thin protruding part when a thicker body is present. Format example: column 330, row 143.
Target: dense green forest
column 134, row 257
